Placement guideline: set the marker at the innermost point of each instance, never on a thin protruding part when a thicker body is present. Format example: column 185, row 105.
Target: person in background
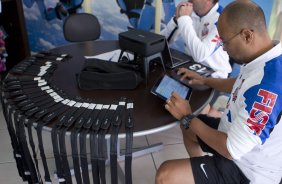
column 195, row 22
column 245, row 145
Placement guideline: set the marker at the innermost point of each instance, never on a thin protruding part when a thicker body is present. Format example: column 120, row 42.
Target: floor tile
column 6, row 153
column 9, row 174
column 170, row 136
column 34, row 138
column 3, row 124
column 137, row 142
column 47, row 144
column 52, row 169
column 170, row 152
column 48, row 147
column 143, row 170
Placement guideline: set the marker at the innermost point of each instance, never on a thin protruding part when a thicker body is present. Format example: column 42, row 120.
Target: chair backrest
column 81, row 27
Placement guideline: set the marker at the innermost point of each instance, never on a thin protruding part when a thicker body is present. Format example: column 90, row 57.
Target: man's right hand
column 192, row 77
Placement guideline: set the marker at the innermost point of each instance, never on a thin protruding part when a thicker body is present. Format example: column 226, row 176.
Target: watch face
column 185, row 121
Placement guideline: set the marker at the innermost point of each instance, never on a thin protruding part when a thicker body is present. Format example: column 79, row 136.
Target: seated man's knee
column 173, row 171
column 163, row 173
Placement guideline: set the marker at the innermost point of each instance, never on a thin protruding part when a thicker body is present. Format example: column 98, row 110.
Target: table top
column 149, row 113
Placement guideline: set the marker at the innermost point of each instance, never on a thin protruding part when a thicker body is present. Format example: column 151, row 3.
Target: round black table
column 149, row 113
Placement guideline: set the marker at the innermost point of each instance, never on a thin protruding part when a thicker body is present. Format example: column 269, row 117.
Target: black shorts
column 215, row 169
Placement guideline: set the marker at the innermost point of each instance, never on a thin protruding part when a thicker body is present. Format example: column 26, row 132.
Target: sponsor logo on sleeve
column 259, row 114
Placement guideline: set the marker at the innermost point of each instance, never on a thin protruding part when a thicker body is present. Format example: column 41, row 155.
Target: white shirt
column 252, row 119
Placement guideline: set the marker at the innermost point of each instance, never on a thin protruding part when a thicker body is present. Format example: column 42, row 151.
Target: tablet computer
column 166, row 85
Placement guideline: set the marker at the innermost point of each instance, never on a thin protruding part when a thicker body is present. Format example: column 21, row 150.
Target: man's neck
column 205, row 10
column 268, row 45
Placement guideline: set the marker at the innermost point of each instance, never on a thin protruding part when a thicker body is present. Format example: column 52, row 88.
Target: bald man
column 246, row 143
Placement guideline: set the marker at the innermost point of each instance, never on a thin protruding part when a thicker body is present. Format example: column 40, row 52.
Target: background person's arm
column 199, row 48
column 171, row 31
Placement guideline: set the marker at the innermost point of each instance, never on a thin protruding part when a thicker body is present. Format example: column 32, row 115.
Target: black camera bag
column 101, row 74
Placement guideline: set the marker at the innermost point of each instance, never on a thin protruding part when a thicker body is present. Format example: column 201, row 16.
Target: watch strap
column 186, row 120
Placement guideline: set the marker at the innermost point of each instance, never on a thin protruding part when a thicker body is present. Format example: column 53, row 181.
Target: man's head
column 242, row 29
column 202, row 7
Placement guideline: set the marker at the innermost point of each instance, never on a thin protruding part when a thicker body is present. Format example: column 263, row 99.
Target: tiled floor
column 143, row 168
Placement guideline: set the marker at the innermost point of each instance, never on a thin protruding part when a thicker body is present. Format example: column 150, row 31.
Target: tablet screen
column 166, row 85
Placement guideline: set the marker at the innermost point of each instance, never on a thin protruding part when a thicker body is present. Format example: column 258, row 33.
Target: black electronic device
column 146, row 46
column 167, row 84
column 142, row 43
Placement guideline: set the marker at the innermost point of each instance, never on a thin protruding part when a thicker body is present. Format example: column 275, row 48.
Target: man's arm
column 224, row 85
column 179, row 107
column 171, row 31
column 198, row 47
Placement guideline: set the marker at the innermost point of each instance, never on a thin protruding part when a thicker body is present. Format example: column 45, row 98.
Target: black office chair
column 81, row 27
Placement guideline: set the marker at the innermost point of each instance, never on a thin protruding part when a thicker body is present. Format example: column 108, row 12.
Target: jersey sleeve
column 255, row 120
column 199, row 49
column 168, row 30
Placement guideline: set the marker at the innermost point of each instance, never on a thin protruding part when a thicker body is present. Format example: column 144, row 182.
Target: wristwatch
column 186, row 120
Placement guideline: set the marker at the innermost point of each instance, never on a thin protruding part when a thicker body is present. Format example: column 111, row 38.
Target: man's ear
column 248, row 35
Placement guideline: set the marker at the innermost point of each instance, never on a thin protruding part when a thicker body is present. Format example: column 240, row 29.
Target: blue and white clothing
column 201, row 39
column 252, row 119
